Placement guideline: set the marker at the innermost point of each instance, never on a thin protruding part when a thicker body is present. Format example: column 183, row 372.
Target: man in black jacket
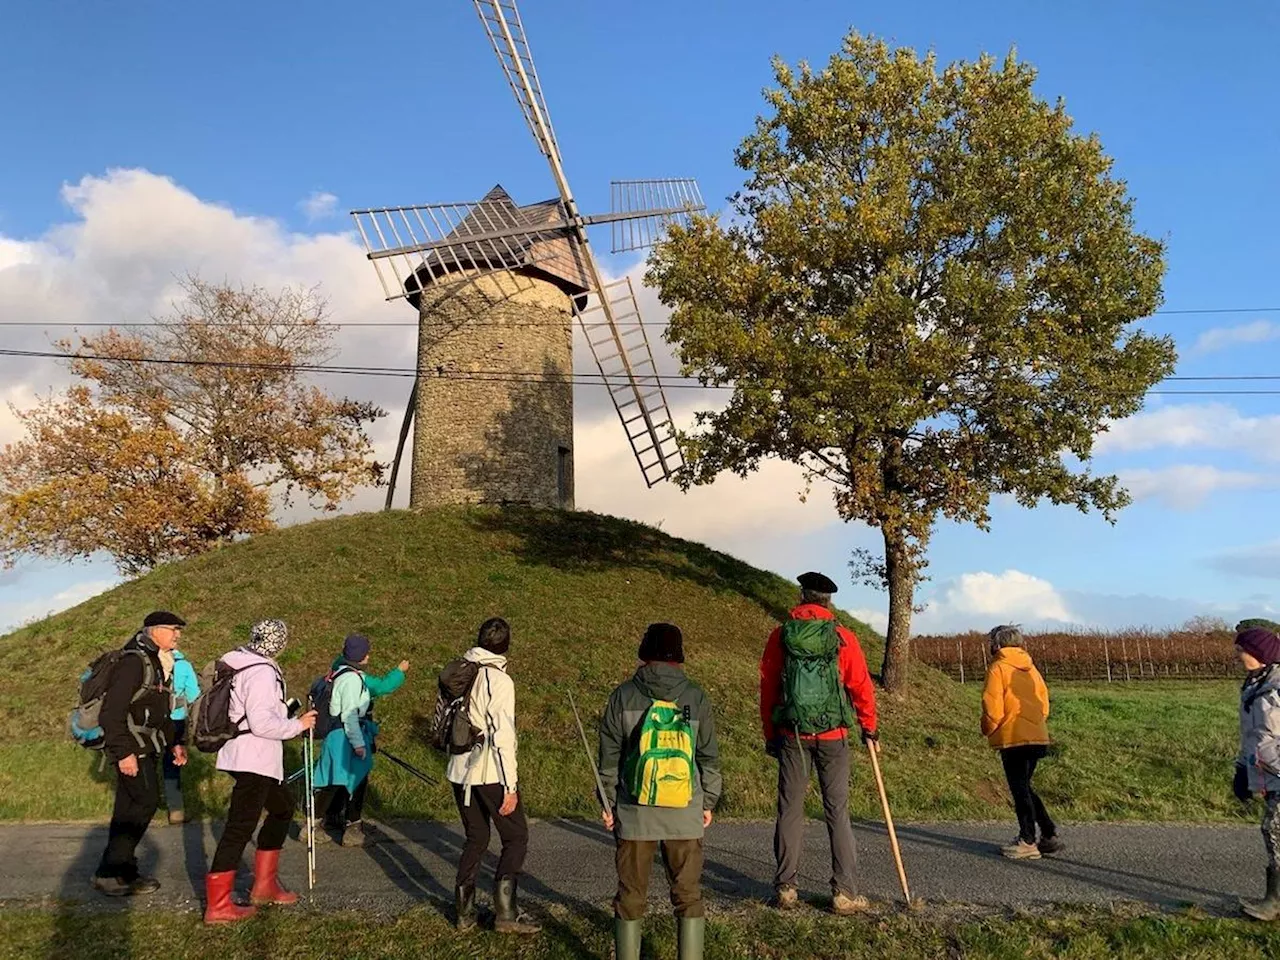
column 137, row 729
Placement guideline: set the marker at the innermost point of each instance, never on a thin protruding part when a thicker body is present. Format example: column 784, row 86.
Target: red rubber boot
column 219, row 907
column 266, row 884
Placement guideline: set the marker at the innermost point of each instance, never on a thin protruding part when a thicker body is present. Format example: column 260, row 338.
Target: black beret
column 163, row 618
column 662, row 643
column 817, row 582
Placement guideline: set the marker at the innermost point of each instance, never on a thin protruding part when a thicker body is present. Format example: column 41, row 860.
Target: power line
column 673, row 381
column 341, row 324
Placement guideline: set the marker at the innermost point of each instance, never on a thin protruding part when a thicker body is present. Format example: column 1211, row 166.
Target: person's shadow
column 112, row 918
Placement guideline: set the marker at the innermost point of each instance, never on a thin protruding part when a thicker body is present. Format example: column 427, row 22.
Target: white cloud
column 1220, row 338
column 319, row 206
column 15, row 614
column 1212, row 425
column 977, row 600
column 1187, row 486
column 875, row 618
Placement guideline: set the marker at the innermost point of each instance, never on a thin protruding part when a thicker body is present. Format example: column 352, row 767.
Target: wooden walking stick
column 888, row 821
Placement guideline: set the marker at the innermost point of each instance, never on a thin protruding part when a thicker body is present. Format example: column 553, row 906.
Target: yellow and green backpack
column 660, row 771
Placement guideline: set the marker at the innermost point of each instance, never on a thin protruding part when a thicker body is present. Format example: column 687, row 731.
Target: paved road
column 571, row 865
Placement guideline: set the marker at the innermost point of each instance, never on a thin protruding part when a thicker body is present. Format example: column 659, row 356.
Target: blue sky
column 249, row 110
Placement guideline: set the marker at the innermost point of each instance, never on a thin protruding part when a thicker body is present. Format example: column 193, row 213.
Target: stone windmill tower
column 497, row 287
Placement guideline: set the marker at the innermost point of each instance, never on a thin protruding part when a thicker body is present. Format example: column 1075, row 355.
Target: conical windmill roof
column 551, row 253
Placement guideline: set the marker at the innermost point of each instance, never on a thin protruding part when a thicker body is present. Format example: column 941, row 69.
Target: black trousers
column 172, row 771
column 1019, row 768
column 137, row 799
column 476, row 820
column 338, row 806
column 252, row 794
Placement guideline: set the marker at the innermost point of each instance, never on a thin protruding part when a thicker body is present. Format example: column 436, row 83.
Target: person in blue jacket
column 186, row 687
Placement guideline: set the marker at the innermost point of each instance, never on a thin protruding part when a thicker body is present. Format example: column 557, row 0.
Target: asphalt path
column 570, row 865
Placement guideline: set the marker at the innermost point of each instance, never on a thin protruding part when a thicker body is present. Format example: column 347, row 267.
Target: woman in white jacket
column 486, row 785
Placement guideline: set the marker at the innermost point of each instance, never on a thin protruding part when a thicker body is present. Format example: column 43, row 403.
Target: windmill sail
column 638, row 394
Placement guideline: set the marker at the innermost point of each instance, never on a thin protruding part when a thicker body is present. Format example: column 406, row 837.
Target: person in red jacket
column 823, row 745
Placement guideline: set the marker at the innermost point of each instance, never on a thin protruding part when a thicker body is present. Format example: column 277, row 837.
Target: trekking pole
column 308, row 765
column 425, row 778
column 595, row 772
column 888, row 822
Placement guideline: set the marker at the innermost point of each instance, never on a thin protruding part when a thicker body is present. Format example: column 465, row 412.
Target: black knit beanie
column 494, row 635
column 662, row 643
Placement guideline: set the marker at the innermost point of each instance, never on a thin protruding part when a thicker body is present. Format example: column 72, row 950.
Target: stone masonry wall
column 507, row 438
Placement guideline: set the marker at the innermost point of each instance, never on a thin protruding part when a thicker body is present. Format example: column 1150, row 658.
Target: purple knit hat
column 1260, row 643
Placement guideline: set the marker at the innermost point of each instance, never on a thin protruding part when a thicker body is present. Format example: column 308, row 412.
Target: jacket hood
column 811, row 611
column 487, row 657
column 240, row 657
column 661, row 681
column 1015, row 657
column 177, row 655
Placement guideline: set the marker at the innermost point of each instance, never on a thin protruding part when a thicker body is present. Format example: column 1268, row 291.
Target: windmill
column 497, row 287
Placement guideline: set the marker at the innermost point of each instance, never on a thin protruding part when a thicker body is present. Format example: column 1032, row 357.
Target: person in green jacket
column 346, row 756
column 658, row 735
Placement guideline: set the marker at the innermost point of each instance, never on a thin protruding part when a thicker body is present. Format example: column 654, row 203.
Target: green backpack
column 660, row 771
column 813, row 698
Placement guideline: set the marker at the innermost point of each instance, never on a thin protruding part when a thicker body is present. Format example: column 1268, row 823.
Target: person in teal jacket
column 346, row 756
column 186, row 687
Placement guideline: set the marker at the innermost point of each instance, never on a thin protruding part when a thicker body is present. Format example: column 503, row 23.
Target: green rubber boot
column 690, row 933
column 626, row 939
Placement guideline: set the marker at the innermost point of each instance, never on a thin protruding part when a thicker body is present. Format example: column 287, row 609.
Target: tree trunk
column 897, row 641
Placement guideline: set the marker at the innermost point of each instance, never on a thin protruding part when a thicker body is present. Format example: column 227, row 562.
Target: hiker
column 486, row 784
column 814, row 684
column 1258, row 765
column 137, row 729
column 346, row 758
column 255, row 760
column 654, row 799
column 1015, row 711
column 186, row 687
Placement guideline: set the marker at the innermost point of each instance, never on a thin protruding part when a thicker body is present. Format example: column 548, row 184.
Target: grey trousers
column 831, row 759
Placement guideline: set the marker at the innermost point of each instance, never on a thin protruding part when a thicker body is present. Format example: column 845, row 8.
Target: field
column 749, row 934
column 1196, row 651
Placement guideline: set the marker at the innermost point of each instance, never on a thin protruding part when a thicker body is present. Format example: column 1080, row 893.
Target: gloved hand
column 870, row 736
column 1240, row 784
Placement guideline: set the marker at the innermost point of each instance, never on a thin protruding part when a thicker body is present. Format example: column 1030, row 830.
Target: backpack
column 322, row 695
column 660, row 771
column 209, row 722
column 813, row 698
column 83, row 723
column 452, row 731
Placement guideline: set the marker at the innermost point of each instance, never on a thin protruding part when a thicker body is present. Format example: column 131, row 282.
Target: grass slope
column 579, row 590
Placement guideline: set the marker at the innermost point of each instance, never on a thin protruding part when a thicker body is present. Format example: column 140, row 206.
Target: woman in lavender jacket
column 255, row 760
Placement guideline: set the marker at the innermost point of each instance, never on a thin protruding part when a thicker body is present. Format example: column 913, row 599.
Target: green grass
column 579, row 590
column 751, row 933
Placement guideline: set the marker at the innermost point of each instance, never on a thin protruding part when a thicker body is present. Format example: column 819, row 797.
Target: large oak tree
column 926, row 294
column 185, row 435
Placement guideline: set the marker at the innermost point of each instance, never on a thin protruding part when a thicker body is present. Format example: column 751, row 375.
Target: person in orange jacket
column 814, row 683
column 1015, row 713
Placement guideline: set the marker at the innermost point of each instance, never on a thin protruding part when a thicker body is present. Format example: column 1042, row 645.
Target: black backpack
column 452, row 731
column 322, row 694
column 83, row 722
column 209, row 723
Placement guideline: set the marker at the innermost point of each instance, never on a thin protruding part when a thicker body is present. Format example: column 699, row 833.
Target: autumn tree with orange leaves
column 186, row 435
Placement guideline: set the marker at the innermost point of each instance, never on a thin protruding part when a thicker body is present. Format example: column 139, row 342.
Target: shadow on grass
column 571, row 541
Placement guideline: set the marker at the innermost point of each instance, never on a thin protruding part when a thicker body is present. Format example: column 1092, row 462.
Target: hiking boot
column 354, row 834
column 1267, row 909
column 110, row 886
column 1048, row 846
column 173, row 800
column 143, row 885
column 843, row 905
column 464, row 900
column 1020, row 850
column 506, row 912
column 788, row 898
column 690, row 936
column 266, row 881
column 626, row 939
column 219, row 907
column 322, row 834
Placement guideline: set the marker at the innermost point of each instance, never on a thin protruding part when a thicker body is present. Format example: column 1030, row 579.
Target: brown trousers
column 683, row 862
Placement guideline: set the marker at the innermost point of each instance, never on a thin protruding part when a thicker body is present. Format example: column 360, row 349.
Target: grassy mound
column 579, row 590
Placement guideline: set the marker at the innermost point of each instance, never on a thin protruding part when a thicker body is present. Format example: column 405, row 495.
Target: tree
column 927, row 296
column 178, row 438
